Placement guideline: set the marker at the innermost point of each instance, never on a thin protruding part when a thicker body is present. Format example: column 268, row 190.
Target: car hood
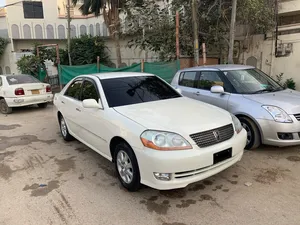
column 180, row 115
column 288, row 100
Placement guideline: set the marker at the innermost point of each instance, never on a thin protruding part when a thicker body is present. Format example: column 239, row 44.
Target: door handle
column 62, row 102
column 78, row 109
column 197, row 93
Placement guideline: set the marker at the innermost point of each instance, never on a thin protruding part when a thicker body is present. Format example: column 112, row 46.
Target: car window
column 74, row 90
column 21, row 79
column 251, row 81
column 209, row 79
column 187, row 79
column 134, row 90
column 89, row 91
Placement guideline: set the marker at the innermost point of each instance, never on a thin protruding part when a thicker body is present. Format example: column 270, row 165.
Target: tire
column 64, row 130
column 43, row 105
column 4, row 107
column 253, row 134
column 128, row 176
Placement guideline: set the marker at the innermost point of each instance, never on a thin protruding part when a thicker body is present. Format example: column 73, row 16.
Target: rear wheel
column 43, row 105
column 4, row 107
column 127, row 167
column 64, row 129
column 253, row 135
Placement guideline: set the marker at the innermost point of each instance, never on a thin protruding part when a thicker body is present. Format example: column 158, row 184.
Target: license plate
column 223, row 155
column 35, row 92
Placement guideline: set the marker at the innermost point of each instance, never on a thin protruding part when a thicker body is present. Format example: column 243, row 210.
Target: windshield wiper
column 263, row 90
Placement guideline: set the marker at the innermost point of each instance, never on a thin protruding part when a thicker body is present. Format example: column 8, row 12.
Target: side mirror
column 91, row 104
column 178, row 90
column 217, row 89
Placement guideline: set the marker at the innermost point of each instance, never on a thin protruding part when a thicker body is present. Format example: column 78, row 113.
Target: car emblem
column 217, row 135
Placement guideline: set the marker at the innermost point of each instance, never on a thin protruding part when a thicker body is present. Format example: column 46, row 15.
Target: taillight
column 48, row 88
column 19, row 91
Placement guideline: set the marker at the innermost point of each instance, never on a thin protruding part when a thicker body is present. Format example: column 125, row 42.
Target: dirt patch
column 95, row 174
column 186, row 203
column 175, row 223
column 81, row 149
column 9, row 127
column 159, row 208
column 197, row 187
column 207, row 182
column 5, row 154
column 225, row 190
column 5, row 171
column 177, row 193
column 206, row 198
column 65, row 164
column 219, row 186
column 108, row 170
column 81, row 177
column 235, row 176
column 7, row 142
column 268, row 176
column 293, row 158
column 37, row 191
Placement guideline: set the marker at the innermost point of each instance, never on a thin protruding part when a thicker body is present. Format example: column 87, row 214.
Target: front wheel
column 253, row 135
column 4, row 107
column 127, row 167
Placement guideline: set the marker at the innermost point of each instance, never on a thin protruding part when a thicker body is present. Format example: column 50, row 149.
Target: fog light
column 285, row 136
column 163, row 176
column 18, row 100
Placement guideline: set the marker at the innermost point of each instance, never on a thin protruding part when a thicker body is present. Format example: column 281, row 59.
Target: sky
column 2, row 2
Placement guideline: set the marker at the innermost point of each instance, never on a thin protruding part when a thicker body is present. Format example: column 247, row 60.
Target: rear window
column 21, row 79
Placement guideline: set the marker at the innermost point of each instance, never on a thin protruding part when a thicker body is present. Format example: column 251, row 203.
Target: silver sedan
column 269, row 113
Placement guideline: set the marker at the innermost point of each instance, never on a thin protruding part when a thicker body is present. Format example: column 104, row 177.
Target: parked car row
column 167, row 136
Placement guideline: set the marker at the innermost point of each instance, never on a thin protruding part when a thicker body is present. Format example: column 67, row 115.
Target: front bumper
column 192, row 165
column 270, row 130
column 28, row 100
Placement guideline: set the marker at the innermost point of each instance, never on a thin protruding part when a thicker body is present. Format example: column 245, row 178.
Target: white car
column 153, row 134
column 22, row 90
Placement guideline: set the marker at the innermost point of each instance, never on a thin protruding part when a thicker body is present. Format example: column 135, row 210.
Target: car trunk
column 32, row 88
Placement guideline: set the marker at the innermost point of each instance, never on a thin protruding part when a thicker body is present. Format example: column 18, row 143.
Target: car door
column 92, row 121
column 69, row 105
column 206, row 80
column 187, row 83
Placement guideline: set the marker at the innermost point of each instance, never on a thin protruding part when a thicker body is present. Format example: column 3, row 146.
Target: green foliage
column 29, row 64
column 3, row 44
column 213, row 19
column 288, row 83
column 84, row 50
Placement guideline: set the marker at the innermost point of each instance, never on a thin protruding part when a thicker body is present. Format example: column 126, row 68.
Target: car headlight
column 164, row 141
column 278, row 114
column 237, row 124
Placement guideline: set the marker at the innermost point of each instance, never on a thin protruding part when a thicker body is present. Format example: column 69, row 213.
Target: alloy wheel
column 124, row 166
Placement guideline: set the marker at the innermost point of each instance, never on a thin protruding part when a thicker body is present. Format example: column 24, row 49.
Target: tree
column 232, row 32
column 83, row 50
column 3, row 44
column 214, row 24
column 111, row 10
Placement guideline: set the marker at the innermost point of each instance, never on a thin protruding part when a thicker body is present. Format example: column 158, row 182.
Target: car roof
column 222, row 67
column 103, row 76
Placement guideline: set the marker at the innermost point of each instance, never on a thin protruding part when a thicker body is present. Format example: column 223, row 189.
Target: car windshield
column 251, row 81
column 21, row 79
column 133, row 90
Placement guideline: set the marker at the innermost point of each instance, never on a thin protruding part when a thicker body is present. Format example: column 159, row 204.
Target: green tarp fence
column 165, row 70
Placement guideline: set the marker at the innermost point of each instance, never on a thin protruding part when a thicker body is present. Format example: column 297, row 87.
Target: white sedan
column 22, row 90
column 153, row 134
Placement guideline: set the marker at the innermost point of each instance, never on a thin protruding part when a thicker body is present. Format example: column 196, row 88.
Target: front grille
column 297, row 116
column 212, row 137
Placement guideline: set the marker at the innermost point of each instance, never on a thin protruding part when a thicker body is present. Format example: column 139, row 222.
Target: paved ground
column 82, row 187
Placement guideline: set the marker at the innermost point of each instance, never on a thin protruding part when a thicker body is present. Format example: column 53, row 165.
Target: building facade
column 45, row 22
column 260, row 50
